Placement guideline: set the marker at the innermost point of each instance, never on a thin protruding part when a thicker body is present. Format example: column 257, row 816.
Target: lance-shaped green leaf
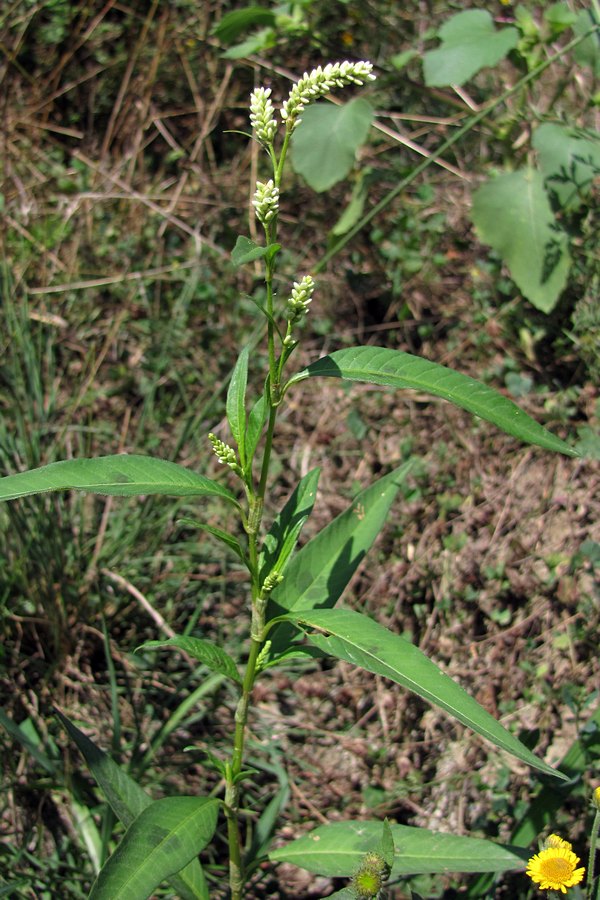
column 228, row 539
column 349, row 635
column 319, row 571
column 236, row 403
column 206, row 652
column 163, row 839
column 121, row 476
column 256, row 422
column 336, row 850
column 394, row 368
column 127, row 800
column 283, row 534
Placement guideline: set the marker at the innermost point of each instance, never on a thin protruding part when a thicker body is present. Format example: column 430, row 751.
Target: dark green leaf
column 319, row 571
column 122, row 476
column 18, row 734
column 213, row 656
column 256, row 422
column 236, row 22
column 349, row 635
column 127, row 800
column 281, row 539
column 160, row 842
column 336, row 851
column 228, row 539
column 393, row 368
column 236, row 403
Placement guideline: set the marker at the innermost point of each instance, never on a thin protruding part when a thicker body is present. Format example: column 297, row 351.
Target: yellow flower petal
column 554, row 869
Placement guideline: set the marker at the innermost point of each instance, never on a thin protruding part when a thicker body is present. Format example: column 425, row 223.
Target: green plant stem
column 436, row 154
column 591, row 870
column 232, row 790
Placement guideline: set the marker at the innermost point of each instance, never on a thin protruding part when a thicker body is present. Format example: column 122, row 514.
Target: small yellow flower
column 554, row 840
column 554, row 869
column 596, row 797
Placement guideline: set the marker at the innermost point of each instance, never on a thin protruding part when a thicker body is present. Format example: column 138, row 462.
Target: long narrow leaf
column 318, row 573
column 236, row 403
column 160, row 842
column 281, row 539
column 336, row 850
column 122, row 475
column 349, row 635
column 127, row 800
column 213, row 656
column 394, row 368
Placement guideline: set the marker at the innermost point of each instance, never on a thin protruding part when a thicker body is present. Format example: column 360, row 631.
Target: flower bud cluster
column 320, row 82
column 224, row 453
column 262, row 115
column 266, row 201
column 300, row 299
column 271, row 581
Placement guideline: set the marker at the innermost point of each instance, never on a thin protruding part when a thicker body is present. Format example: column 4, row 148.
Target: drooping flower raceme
column 555, row 867
column 320, row 82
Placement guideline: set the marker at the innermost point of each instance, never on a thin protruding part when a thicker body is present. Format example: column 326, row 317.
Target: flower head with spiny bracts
column 320, row 82
column 555, row 867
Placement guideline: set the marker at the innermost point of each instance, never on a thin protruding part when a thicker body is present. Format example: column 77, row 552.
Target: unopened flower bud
column 224, row 453
column 266, row 201
column 300, row 298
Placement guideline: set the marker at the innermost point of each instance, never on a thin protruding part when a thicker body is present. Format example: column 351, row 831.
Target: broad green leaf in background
column 354, row 637
column 394, row 368
column 261, row 40
column 588, row 52
column 569, row 160
column 512, row 214
column 236, row 403
column 324, row 145
column 319, row 572
column 160, row 842
column 238, row 21
column 470, row 42
column 121, row 476
column 213, row 656
column 336, row 851
column 283, row 534
column 127, row 800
